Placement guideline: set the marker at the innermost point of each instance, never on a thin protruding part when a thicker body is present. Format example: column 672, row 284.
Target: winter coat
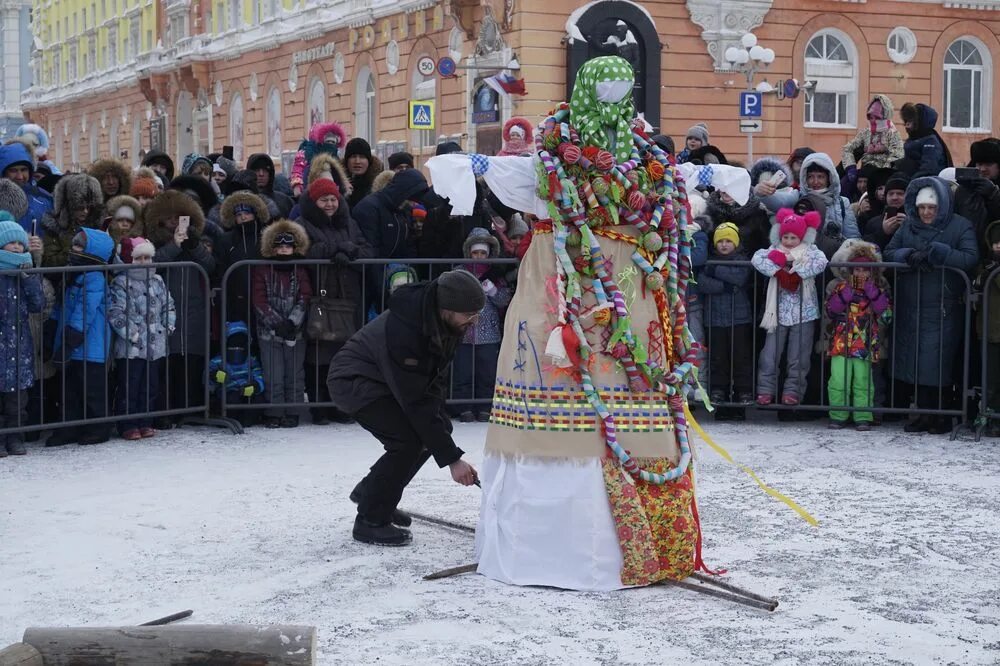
column 929, row 303
column 701, row 238
column 383, row 224
column 802, row 305
column 141, row 314
column 20, row 295
column 404, row 354
column 725, row 284
column 991, row 293
column 187, row 286
column 840, row 222
column 72, row 191
column 361, row 185
column 856, row 324
column 245, row 377
column 328, row 237
column 239, row 242
column 86, row 304
column 881, row 148
column 925, row 154
column 39, row 201
column 752, row 219
column 116, row 168
column 281, row 291
column 489, row 327
column 312, row 147
column 283, row 201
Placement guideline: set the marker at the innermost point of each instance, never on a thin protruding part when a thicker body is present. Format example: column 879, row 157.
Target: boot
column 319, row 417
column 483, row 417
column 94, row 438
column 940, row 425
column 15, row 447
column 289, row 422
column 920, row 424
column 366, row 531
column 340, row 417
column 399, row 518
column 271, row 422
column 63, row 437
column 467, row 417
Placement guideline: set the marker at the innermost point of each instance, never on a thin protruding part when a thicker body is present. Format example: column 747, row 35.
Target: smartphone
column 34, row 227
column 966, row 173
column 183, row 222
column 778, row 178
column 891, row 211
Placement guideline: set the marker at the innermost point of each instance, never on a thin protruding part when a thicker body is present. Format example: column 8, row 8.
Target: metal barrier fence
column 989, row 350
column 80, row 389
column 194, row 389
column 370, row 293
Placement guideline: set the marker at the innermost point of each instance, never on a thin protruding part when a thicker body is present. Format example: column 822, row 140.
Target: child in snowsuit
column 725, row 284
column 859, row 309
column 20, row 294
column 240, row 377
column 791, row 304
column 323, row 138
column 880, row 141
column 281, row 294
column 475, row 367
column 142, row 316
column 83, row 340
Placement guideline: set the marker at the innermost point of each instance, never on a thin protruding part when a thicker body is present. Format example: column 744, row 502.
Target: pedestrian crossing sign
column 422, row 114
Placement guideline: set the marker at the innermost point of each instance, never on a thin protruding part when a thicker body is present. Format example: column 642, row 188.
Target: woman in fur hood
column 113, row 175
column 244, row 219
column 78, row 204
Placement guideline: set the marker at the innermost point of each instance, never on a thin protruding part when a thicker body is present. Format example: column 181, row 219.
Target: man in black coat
column 392, row 375
column 263, row 166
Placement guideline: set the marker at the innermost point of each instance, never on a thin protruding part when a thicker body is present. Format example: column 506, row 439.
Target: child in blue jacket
column 84, row 340
column 241, row 377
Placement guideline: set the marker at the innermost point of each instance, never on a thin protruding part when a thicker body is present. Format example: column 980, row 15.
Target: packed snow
column 256, row 529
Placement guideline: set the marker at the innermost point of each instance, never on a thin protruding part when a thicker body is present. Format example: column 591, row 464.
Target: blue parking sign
column 751, row 104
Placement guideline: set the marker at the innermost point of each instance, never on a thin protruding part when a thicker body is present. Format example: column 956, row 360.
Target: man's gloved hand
column 285, row 330
column 916, row 258
column 73, row 339
column 341, row 260
column 984, row 187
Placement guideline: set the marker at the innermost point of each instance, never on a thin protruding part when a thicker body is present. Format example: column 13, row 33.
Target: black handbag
column 331, row 319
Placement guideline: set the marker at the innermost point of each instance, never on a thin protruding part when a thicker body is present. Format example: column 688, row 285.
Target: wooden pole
column 20, row 654
column 174, row 617
column 179, row 645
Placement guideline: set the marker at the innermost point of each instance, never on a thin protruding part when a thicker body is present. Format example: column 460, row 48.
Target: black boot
column 63, row 437
column 920, row 424
column 388, row 534
column 15, row 447
column 399, row 518
column 289, row 422
column 940, row 425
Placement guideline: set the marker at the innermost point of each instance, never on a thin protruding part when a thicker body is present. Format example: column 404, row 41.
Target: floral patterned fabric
column 657, row 531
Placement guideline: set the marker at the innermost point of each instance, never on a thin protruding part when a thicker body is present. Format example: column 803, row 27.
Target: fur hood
column 158, row 156
column 117, row 168
column 707, row 155
column 851, row 249
column 325, row 164
column 284, row 226
column 517, row 146
column 114, row 203
column 770, row 165
column 945, row 201
column 227, row 212
column 823, row 160
column 480, row 235
column 73, row 191
column 166, row 206
column 382, row 180
column 198, row 189
column 319, row 130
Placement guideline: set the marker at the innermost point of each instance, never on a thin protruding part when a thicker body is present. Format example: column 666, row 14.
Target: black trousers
column 404, row 455
column 137, row 386
column 87, row 396
column 13, row 414
column 731, row 351
column 184, row 384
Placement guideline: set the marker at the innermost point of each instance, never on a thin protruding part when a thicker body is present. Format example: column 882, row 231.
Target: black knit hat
column 357, row 146
column 447, row 148
column 399, row 158
column 986, row 151
column 460, row 291
column 897, row 181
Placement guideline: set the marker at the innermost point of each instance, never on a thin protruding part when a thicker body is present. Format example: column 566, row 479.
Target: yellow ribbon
column 806, row 516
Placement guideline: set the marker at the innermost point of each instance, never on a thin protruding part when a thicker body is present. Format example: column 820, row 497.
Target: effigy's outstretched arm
column 511, row 179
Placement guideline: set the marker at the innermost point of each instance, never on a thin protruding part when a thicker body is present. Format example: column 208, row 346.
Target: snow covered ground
column 256, row 529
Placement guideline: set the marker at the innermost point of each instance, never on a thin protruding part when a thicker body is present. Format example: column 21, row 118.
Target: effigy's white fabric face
column 612, row 92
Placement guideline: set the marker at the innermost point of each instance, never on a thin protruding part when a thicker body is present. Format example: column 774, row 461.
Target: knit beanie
column 11, row 231
column 400, row 158
column 897, row 181
column 460, row 291
column 322, row 187
column 358, row 146
column 517, row 226
column 447, row 148
column 133, row 248
column 13, row 199
column 228, row 166
column 143, row 187
column 790, row 223
column 927, row 195
column 727, row 231
column 699, row 131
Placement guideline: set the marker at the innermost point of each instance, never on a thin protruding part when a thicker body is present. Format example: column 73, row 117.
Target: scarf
column 770, row 320
column 594, row 118
column 14, row 260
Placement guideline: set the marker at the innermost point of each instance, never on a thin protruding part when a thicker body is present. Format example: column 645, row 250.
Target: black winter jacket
column 405, row 353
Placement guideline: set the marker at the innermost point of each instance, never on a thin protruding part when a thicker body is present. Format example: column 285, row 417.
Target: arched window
column 136, row 139
column 967, row 85
column 274, row 122
column 236, row 126
column 74, row 150
column 364, row 105
column 423, row 88
column 831, row 61
column 114, row 150
column 317, row 101
column 93, row 141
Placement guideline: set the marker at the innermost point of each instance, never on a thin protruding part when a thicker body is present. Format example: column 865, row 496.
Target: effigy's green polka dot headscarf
column 604, row 78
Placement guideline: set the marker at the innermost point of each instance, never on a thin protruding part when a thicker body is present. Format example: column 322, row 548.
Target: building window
column 901, row 45
column 831, row 61
column 235, row 10
column 966, row 86
column 236, row 126
column 133, row 38
column 423, row 87
column 317, row 101
column 93, row 141
column 136, row 140
column 364, row 105
column 274, row 122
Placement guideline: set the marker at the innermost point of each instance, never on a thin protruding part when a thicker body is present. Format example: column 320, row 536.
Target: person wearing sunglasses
column 393, row 376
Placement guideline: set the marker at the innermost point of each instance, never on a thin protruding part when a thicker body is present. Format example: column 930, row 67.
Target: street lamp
column 749, row 60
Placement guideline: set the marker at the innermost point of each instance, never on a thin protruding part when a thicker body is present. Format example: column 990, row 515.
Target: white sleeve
column 512, row 180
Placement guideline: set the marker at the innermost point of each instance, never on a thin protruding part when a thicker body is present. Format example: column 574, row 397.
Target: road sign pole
column 749, row 150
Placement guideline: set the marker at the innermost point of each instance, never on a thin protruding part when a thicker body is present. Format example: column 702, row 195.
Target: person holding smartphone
column 882, row 228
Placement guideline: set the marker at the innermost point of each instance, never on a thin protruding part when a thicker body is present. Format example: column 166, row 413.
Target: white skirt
column 547, row 522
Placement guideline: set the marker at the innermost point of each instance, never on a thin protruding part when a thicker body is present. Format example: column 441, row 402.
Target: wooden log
column 20, row 654
column 178, row 645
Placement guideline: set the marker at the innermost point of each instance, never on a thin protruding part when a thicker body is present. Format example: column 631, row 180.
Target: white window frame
column 365, row 105
column 836, row 84
column 985, row 83
column 273, row 151
column 236, row 101
column 235, row 13
column 313, row 83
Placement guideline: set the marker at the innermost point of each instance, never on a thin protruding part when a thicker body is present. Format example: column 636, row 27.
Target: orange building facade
column 255, row 74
